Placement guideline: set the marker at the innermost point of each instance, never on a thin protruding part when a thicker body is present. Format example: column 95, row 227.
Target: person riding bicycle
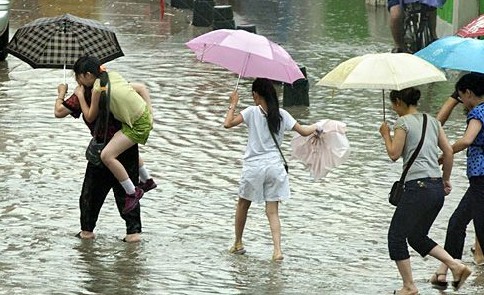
column 395, row 7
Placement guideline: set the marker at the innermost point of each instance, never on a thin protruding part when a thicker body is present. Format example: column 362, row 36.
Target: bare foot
column 277, row 257
column 406, row 291
column 477, row 253
column 132, row 238
column 461, row 276
column 86, row 235
column 478, row 259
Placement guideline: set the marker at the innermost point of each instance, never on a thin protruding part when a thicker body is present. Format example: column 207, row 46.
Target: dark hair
column 265, row 88
column 91, row 64
column 410, row 95
column 473, row 82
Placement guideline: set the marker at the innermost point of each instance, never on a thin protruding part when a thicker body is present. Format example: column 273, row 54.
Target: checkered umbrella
column 57, row 42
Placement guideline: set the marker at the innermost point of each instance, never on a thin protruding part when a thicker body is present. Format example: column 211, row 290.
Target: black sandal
column 436, row 284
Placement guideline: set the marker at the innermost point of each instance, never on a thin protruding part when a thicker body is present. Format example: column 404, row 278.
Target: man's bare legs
column 432, row 16
column 132, row 238
column 396, row 27
column 86, row 235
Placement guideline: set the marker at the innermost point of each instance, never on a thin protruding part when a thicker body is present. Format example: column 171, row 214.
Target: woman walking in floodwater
column 470, row 90
column 263, row 178
column 425, row 187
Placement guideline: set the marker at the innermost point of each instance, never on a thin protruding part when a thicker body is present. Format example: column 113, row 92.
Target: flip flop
column 237, row 249
column 436, row 284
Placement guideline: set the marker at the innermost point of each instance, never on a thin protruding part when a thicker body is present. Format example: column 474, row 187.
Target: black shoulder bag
column 399, row 186
column 94, row 149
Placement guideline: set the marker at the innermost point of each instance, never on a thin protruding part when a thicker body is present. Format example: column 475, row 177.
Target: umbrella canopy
column 456, row 53
column 324, row 151
column 246, row 54
column 473, row 29
column 57, row 42
column 395, row 71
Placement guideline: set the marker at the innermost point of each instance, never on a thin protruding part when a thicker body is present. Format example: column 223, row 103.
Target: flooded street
column 334, row 231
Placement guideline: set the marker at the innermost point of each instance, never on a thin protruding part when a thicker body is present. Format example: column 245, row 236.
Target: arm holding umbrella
column 231, row 119
column 448, row 107
column 394, row 146
column 59, row 110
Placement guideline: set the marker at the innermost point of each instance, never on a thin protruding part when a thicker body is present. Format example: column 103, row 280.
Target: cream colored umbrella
column 391, row 71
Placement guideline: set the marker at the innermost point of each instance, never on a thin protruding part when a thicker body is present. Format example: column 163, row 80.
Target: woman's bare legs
column 116, row 146
column 140, row 162
column 405, row 270
column 460, row 271
column 272, row 212
column 243, row 206
column 478, row 256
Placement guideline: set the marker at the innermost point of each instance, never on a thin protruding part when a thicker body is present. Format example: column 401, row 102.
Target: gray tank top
column 426, row 164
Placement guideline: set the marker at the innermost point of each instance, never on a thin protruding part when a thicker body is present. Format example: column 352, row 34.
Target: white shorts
column 264, row 180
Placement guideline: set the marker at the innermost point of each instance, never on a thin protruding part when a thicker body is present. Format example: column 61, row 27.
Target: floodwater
column 334, row 230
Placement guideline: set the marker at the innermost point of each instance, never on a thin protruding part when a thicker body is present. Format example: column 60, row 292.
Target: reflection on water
column 109, row 266
column 334, row 231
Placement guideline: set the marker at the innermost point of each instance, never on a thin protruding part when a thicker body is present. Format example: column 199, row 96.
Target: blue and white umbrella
column 455, row 53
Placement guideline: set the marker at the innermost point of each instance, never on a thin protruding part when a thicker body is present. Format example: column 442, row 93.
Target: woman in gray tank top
column 425, row 187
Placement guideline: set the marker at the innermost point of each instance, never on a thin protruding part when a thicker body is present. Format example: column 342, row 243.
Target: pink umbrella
column 473, row 29
column 246, row 54
column 324, row 151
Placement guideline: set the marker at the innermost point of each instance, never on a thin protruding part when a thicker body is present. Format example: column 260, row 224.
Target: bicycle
column 416, row 26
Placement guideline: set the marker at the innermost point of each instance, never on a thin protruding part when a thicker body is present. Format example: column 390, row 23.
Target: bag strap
column 106, row 119
column 277, row 145
column 273, row 137
column 417, row 150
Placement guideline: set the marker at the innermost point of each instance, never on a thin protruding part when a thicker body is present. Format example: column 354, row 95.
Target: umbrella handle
column 244, row 65
column 237, row 84
column 383, row 96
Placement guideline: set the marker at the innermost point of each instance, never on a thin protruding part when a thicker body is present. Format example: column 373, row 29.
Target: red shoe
column 148, row 185
column 132, row 200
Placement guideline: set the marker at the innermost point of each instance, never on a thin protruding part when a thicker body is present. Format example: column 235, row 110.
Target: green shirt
column 125, row 103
